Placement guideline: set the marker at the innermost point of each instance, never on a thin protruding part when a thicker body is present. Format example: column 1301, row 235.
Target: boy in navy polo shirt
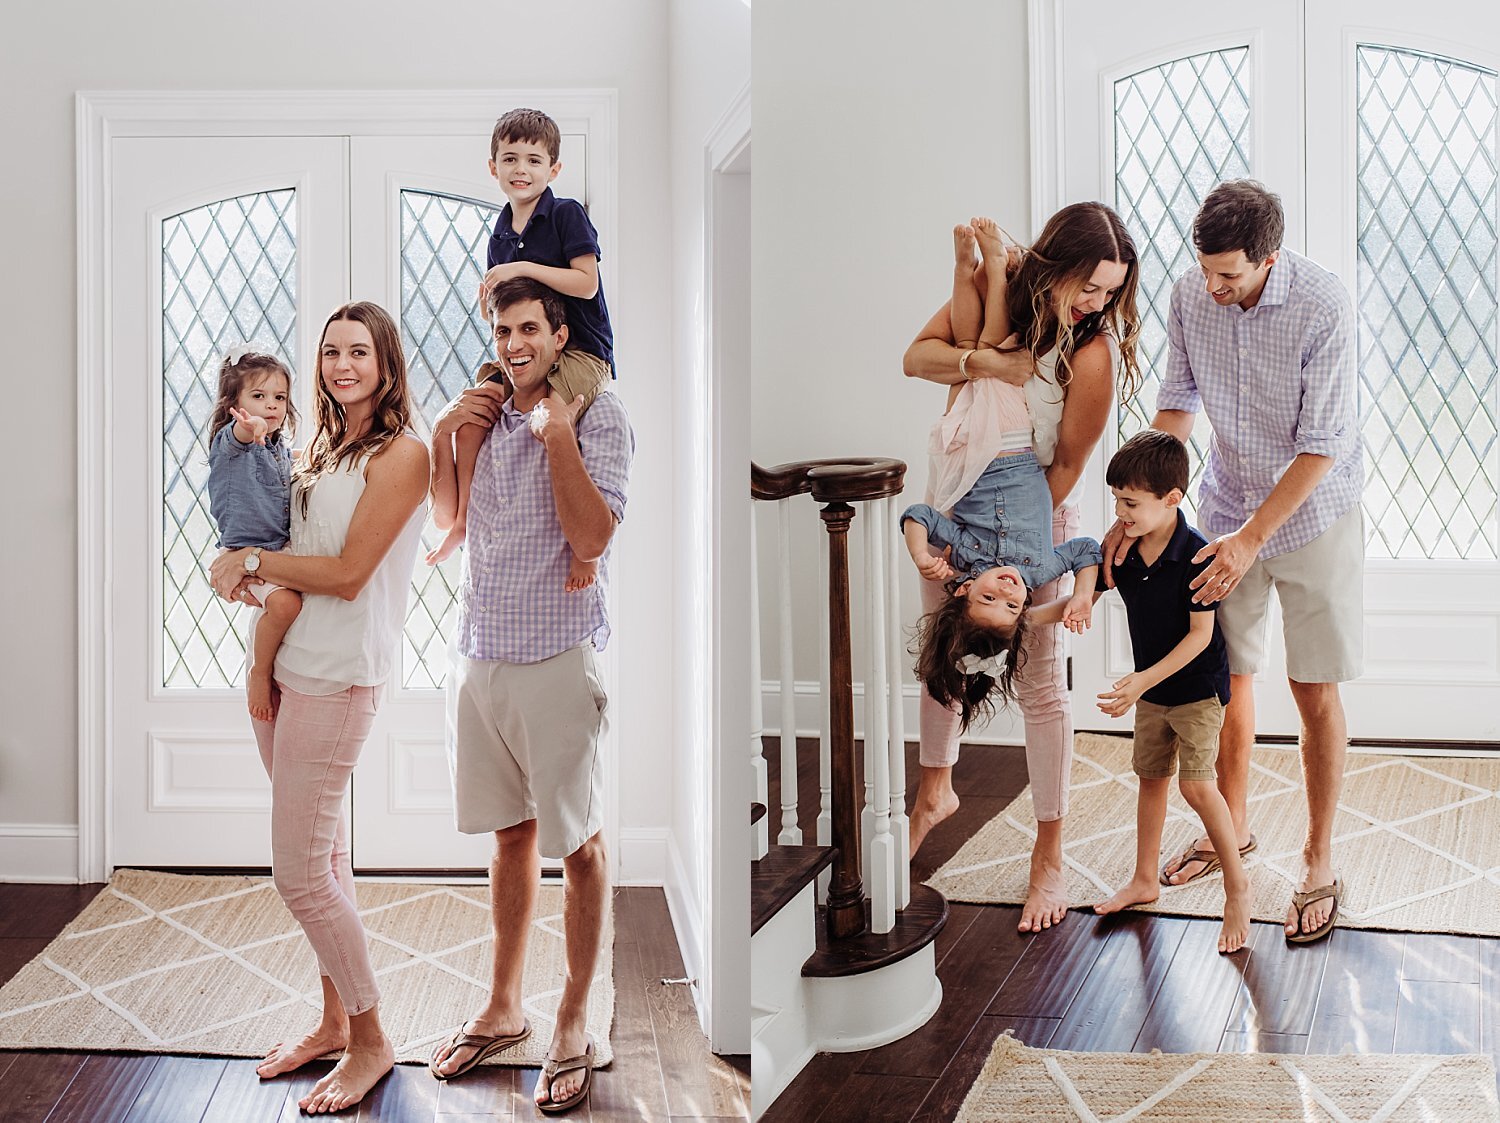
column 550, row 240
column 1181, row 680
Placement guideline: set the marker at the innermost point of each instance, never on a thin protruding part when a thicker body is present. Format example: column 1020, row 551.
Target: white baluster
column 880, row 872
column 760, row 833
column 791, row 834
column 896, row 704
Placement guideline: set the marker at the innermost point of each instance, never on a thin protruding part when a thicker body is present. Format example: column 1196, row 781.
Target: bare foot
column 564, row 1084
column 1236, row 928
column 284, row 1057
column 988, row 237
column 448, row 1060
column 924, row 817
column 258, row 689
column 444, row 549
column 580, row 576
column 1046, row 899
column 963, row 248
column 356, row 1073
column 1138, row 891
column 1317, row 912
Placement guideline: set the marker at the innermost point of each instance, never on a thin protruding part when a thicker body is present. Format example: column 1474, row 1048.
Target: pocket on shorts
column 591, row 679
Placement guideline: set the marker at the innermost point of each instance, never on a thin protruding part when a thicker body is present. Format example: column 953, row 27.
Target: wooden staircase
column 841, row 943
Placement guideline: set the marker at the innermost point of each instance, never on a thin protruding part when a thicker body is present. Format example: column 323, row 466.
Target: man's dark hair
column 1240, row 214
column 1150, row 461
column 519, row 290
column 531, row 126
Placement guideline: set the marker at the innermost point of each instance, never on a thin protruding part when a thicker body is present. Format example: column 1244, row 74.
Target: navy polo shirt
column 1158, row 603
column 558, row 231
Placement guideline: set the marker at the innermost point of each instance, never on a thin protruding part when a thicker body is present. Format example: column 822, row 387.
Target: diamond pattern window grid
column 1427, row 303
column 444, row 239
column 228, row 275
column 1180, row 128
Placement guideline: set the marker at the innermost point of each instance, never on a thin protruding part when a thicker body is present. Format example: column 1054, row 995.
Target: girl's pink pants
column 309, row 752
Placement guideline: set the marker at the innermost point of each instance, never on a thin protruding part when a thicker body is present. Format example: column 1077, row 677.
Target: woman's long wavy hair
column 331, row 443
column 1054, row 271
column 945, row 635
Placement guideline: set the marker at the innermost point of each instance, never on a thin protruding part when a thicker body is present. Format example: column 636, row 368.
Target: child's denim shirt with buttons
column 249, row 490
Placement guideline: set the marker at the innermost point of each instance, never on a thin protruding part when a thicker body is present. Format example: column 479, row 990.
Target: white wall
column 710, row 67
column 877, row 131
column 53, row 50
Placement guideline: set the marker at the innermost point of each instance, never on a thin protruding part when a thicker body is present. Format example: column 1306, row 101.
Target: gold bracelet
column 963, row 365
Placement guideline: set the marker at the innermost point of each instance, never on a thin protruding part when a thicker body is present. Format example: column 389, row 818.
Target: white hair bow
column 987, row 665
column 240, row 350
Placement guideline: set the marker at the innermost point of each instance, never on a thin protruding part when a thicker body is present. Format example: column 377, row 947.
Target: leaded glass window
column 1180, row 128
column 443, row 244
column 1427, row 303
column 228, row 277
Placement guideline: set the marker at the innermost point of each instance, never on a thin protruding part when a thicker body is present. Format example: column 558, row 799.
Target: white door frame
column 724, row 643
column 100, row 117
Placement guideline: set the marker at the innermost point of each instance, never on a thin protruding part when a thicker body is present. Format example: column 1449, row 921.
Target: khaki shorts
column 523, row 743
column 575, row 374
column 1321, row 588
column 1169, row 736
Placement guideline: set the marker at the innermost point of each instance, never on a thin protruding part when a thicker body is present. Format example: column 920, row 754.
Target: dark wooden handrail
column 838, row 483
column 853, row 479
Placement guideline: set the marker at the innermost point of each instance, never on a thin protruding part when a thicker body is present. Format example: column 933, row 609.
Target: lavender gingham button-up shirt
column 1277, row 380
column 513, row 607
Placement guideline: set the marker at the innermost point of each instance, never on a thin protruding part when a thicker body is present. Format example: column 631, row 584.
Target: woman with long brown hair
column 357, row 509
column 1070, row 299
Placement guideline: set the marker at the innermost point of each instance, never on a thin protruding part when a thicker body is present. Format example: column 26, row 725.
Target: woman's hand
column 226, row 573
column 1015, row 367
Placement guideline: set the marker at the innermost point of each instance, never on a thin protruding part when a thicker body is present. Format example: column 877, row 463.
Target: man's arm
column 1128, row 690
column 587, row 521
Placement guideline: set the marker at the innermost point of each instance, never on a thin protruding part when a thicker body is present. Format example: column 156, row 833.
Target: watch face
column 252, row 562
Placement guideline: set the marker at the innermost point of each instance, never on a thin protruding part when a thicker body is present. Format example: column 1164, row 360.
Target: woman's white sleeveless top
column 335, row 644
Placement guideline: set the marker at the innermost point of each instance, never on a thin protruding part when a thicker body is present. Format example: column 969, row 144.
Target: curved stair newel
column 868, row 970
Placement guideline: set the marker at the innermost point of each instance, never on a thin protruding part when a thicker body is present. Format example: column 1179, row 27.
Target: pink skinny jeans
column 1041, row 689
column 309, row 752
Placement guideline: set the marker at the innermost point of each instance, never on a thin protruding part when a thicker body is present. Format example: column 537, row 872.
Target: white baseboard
column 643, row 855
column 687, row 921
column 1006, row 728
column 38, row 852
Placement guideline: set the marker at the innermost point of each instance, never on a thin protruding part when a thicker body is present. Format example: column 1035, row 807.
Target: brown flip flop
column 1300, row 901
column 1209, row 858
column 552, row 1069
column 483, row 1044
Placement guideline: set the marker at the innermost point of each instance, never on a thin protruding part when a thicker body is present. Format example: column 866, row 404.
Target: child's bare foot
column 258, row 689
column 580, row 575
column 285, row 1056
column 989, row 239
column 963, row 247
column 1236, row 928
column 356, row 1073
column 1138, row 891
column 444, row 549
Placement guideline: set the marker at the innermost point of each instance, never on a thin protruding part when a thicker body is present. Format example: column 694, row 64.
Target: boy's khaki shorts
column 523, row 743
column 1185, row 735
column 575, row 374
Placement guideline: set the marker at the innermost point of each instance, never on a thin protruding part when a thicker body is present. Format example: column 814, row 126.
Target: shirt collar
column 543, row 209
column 1278, row 282
column 1178, row 548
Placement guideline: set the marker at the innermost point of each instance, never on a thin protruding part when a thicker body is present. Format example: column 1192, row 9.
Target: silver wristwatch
column 252, row 560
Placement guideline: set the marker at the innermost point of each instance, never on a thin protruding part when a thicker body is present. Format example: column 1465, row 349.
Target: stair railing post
column 760, row 842
column 791, row 834
column 825, row 772
column 846, row 899
column 880, row 873
column 896, row 703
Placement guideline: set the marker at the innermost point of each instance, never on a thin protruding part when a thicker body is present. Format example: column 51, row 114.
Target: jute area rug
column 162, row 963
column 1043, row 1084
column 1414, row 838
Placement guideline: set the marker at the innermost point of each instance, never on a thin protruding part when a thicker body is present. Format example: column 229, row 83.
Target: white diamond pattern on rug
column 1046, row 1084
column 167, row 963
column 1413, row 840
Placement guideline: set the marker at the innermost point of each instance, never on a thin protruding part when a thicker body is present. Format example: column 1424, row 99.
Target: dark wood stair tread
column 780, row 876
column 916, row 926
column 757, row 813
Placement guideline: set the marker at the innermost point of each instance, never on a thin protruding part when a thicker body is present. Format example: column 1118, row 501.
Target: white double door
column 1307, row 107
column 216, row 240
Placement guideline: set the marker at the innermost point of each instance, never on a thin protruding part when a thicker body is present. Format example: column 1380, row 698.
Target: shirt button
column 1243, row 352
column 520, row 245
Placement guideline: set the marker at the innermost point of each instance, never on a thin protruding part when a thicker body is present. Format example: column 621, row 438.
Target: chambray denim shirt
column 249, row 490
column 1006, row 519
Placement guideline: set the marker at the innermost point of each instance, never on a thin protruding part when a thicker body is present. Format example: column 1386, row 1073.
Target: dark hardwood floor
column 662, row 1071
column 1133, row 983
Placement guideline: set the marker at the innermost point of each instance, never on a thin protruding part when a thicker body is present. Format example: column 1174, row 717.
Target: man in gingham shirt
column 525, row 702
column 1263, row 340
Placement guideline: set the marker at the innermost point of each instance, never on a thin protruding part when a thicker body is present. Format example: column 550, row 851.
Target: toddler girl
column 249, row 489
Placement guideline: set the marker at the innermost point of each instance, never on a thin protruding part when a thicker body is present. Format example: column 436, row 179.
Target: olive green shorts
column 1181, row 738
